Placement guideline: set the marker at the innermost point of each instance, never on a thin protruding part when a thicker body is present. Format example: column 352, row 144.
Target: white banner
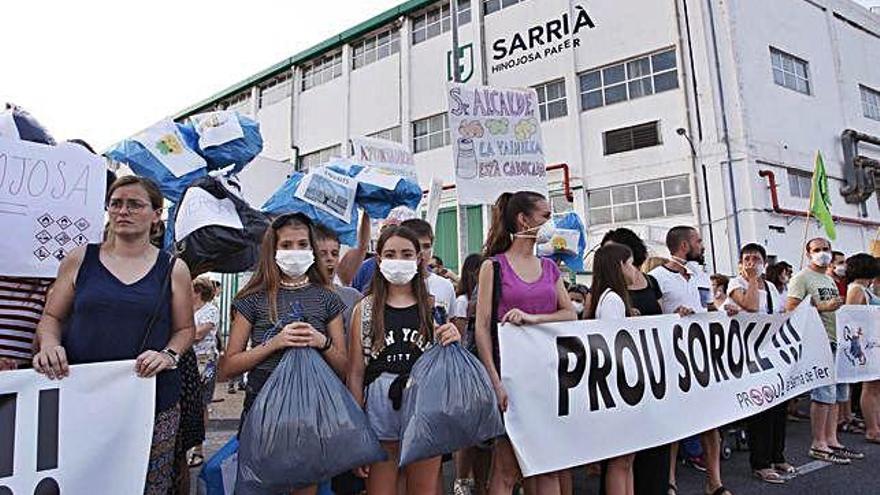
column 391, row 156
column 584, row 391
column 858, row 344
column 165, row 142
column 496, row 142
column 329, row 191
column 88, row 433
column 51, row 201
column 216, row 128
column 200, row 208
column 432, row 203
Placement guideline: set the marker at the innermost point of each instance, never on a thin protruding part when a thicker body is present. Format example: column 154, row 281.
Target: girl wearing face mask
column 861, row 270
column 580, row 297
column 287, row 303
column 390, row 329
column 531, row 291
column 613, row 272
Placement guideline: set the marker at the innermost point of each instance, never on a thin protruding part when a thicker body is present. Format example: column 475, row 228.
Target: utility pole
column 456, row 77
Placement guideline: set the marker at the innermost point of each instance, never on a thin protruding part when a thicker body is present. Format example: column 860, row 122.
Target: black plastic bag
column 219, row 248
column 303, row 428
column 448, row 404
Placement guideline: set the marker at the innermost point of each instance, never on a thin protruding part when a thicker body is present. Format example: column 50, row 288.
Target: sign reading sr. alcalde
column 541, row 40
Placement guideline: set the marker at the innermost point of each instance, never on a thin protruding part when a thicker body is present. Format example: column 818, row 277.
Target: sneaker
column 829, row 456
column 848, row 453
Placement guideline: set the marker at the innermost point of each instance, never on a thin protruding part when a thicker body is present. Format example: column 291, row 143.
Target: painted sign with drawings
column 496, row 139
column 51, row 201
column 329, row 191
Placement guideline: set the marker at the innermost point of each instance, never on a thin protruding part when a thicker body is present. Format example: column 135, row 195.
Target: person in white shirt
column 439, row 287
column 613, row 272
column 680, row 286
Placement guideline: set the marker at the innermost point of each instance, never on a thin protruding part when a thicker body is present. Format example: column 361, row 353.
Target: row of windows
column 276, row 89
column 319, row 157
column 375, row 47
column 641, row 201
column 870, row 102
column 431, row 133
column 438, row 20
column 491, row 6
column 321, row 70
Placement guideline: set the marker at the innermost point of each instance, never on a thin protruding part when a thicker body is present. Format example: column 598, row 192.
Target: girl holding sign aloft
column 390, row 329
column 518, row 288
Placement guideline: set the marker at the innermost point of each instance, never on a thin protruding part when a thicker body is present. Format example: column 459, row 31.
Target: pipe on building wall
column 774, row 199
column 859, row 180
column 566, row 181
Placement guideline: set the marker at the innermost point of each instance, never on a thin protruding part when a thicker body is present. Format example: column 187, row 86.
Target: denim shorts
column 830, row 394
column 381, row 415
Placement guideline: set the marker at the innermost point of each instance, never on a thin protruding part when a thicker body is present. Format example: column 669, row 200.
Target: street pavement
column 815, row 478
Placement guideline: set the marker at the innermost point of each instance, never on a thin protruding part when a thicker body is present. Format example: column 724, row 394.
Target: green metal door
column 446, row 235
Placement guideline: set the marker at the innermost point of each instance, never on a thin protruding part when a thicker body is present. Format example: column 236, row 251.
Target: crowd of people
column 372, row 315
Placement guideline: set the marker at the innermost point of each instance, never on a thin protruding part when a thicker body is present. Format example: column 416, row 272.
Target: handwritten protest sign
column 390, row 156
column 51, row 201
column 496, row 139
column 329, row 191
column 200, row 209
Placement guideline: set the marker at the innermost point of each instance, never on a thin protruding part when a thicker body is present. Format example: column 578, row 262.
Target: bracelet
column 327, row 345
column 175, row 358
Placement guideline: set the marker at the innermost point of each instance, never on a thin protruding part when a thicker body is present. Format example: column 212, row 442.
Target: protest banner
column 390, row 156
column 165, row 142
column 858, row 344
column 87, row 433
column 496, row 142
column 329, row 191
column 51, row 201
column 590, row 390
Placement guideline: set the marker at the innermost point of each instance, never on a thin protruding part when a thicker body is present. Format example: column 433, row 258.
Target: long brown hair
column 608, row 274
column 268, row 276
column 379, row 289
column 470, row 272
column 504, row 219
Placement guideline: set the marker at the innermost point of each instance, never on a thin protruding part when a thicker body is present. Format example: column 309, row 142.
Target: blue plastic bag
column 448, row 404
column 238, row 151
column 571, row 221
column 303, row 428
column 221, row 466
column 283, row 201
column 377, row 201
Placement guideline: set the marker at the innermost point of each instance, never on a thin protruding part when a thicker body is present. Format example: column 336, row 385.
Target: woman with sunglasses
column 287, row 303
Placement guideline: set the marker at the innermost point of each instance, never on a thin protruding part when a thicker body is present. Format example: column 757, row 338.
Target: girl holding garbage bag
column 287, row 303
column 518, row 288
column 124, row 299
column 390, row 329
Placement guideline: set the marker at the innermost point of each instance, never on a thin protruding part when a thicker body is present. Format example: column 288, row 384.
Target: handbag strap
column 165, row 288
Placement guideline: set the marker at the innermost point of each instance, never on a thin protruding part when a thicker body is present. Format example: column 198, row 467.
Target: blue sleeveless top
column 109, row 319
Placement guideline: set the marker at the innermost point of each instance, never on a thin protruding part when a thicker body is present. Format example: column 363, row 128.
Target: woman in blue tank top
column 123, row 300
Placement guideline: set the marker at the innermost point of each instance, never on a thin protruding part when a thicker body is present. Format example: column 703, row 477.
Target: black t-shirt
column 646, row 300
column 402, row 346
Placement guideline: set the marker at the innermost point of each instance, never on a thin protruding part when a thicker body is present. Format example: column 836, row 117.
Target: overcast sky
column 101, row 71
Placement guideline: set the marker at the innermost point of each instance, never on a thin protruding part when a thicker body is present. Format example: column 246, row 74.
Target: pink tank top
column 536, row 298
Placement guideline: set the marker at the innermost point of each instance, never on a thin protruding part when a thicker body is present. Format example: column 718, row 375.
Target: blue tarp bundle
column 238, row 151
column 377, row 201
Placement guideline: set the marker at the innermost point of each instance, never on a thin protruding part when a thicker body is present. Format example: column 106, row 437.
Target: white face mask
column 821, row 258
column 398, row 272
column 294, row 262
column 840, row 270
column 578, row 307
column 544, row 234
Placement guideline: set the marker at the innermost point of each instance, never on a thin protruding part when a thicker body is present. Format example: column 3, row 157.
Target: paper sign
column 379, row 177
column 496, row 138
column 51, row 201
column 200, row 209
column 216, row 128
column 433, row 201
column 858, row 344
column 87, row 433
column 164, row 141
column 391, row 156
column 329, row 191
column 8, row 129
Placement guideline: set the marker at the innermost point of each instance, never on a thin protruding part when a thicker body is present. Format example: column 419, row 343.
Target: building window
column 317, row 158
column 800, row 183
column 375, row 47
column 641, row 201
column 240, row 103
column 321, row 70
column 430, row 133
column 490, row 6
column 390, row 134
column 632, row 138
column 551, row 100
column 437, row 20
column 630, row 79
column 870, row 103
column 276, row 89
column 790, row 71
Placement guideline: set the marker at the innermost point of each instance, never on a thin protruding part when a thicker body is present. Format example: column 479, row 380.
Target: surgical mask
column 840, row 270
column 578, row 307
column 294, row 262
column 398, row 272
column 821, row 258
column 544, row 234
column 759, row 268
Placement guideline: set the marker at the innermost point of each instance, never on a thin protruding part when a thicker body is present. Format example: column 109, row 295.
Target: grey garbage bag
column 303, row 428
column 448, row 404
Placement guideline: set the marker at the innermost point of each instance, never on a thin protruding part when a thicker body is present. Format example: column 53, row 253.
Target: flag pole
column 809, row 215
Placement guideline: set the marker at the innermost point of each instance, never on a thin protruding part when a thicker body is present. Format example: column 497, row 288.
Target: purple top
column 535, row 298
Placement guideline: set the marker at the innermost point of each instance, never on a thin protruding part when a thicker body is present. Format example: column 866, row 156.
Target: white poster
column 51, row 201
column 216, row 128
column 200, row 209
column 590, row 390
column 496, row 142
column 433, row 201
column 858, row 344
column 379, row 177
column 164, row 141
column 8, row 129
column 329, row 191
column 88, row 433
column 393, row 157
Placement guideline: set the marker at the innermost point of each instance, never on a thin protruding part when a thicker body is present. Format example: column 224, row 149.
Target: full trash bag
column 378, row 201
column 303, row 428
column 283, row 201
column 17, row 123
column 223, row 232
column 217, row 476
column 448, row 404
column 214, row 145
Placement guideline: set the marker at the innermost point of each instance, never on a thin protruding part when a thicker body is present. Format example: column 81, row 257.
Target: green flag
column 820, row 200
